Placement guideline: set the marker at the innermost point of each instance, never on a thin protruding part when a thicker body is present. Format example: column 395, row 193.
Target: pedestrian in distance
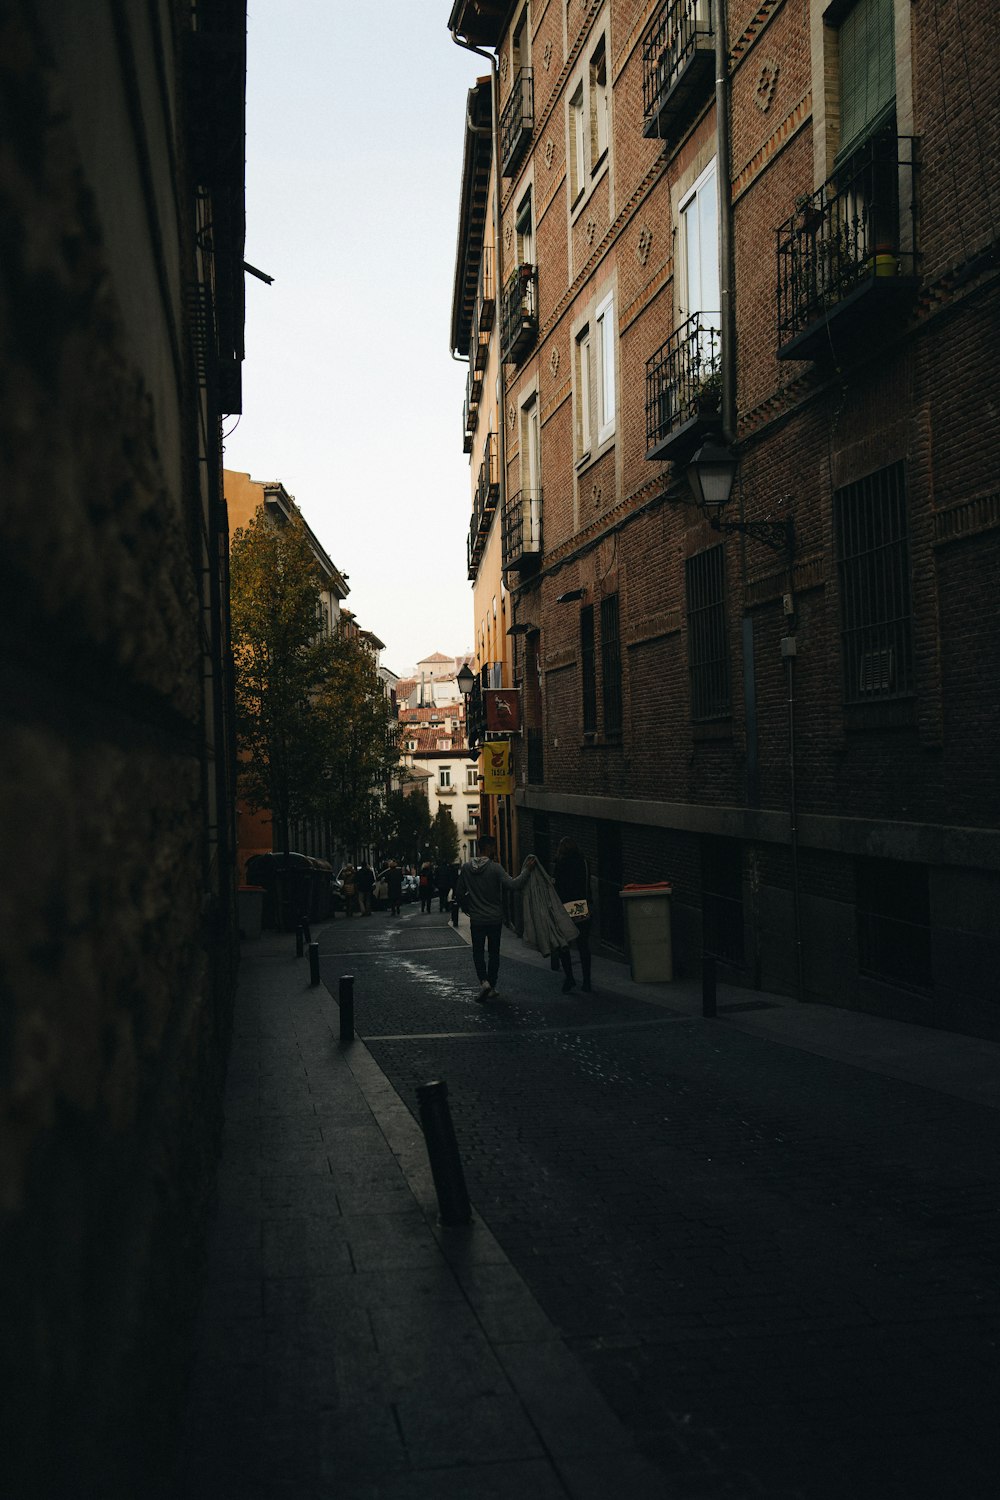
column 425, row 880
column 571, row 874
column 481, row 884
column 365, row 881
column 442, row 884
column 394, row 886
column 349, row 888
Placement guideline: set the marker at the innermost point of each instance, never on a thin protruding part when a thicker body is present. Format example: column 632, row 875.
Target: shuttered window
column 705, row 581
column 867, row 72
column 873, row 569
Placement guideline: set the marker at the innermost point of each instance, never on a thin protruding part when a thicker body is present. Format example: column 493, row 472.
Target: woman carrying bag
column 572, row 881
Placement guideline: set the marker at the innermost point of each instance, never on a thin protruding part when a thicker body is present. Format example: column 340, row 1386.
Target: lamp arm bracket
column 778, row 535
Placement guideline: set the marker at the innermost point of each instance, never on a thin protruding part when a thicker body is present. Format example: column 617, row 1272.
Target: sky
column 355, row 131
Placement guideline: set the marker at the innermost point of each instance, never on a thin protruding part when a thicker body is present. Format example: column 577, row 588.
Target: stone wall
column 116, row 950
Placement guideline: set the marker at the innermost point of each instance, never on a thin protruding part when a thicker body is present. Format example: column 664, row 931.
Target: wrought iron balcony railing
column 519, row 314
column 485, row 503
column 470, row 417
column 484, row 316
column 849, row 249
column 517, row 122
column 684, row 385
column 522, row 531
column 678, row 66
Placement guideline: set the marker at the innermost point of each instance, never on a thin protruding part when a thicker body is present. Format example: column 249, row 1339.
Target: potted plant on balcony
column 708, row 394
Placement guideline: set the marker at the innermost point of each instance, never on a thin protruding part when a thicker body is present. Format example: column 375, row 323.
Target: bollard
column 442, row 1150
column 306, row 934
column 313, row 965
column 299, row 941
column 708, row 984
column 345, row 995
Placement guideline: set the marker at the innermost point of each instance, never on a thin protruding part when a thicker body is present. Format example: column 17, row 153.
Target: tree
column 444, row 838
column 359, row 750
column 313, row 724
column 277, row 656
column 407, row 825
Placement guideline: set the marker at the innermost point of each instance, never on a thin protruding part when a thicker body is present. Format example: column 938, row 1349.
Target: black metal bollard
column 345, row 995
column 442, row 1150
column 313, row 965
column 708, row 984
column 300, row 939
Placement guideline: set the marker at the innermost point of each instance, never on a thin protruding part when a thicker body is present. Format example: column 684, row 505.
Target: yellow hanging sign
column 498, row 769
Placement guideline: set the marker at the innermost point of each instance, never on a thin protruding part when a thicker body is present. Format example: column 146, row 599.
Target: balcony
column 678, row 67
column 484, row 503
column 519, row 314
column 470, row 417
column 522, row 532
column 684, row 388
column 484, row 316
column 847, row 256
column 517, row 122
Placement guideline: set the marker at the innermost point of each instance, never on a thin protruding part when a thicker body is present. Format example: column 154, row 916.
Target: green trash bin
column 647, row 923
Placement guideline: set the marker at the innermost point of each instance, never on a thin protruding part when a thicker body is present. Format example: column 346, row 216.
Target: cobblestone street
column 780, row 1269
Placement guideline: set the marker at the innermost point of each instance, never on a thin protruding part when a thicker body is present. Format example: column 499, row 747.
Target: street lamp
column 710, row 475
column 465, row 679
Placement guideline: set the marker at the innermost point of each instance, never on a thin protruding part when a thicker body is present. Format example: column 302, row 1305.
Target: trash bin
column 251, row 910
column 647, row 922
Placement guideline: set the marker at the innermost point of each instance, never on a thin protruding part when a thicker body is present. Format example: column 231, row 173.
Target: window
column 598, row 105
column 699, row 214
column 894, row 922
column 583, row 395
column 588, row 674
column 577, row 145
column 708, row 666
column 444, row 776
column 605, row 323
column 471, row 777
column 611, row 665
column 867, row 72
column 873, row 567
column 524, row 227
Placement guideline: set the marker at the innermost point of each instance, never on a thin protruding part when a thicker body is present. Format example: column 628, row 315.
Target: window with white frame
column 582, row 356
column 599, row 104
column 604, row 321
column 577, row 144
column 472, row 777
column 699, row 224
column 444, row 776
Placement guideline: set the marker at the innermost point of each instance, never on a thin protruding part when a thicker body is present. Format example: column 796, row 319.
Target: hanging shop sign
column 498, row 771
column 503, row 710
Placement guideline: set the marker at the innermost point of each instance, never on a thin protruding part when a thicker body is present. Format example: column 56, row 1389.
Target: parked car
column 380, row 894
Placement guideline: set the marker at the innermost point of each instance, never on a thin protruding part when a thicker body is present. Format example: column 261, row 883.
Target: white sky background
column 355, row 128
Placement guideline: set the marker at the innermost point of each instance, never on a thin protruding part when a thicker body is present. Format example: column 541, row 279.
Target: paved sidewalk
column 349, row 1346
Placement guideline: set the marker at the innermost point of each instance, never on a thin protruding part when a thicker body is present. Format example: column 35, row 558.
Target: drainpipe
column 727, row 280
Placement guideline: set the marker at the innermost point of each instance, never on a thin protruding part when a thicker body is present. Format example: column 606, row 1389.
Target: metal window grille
column 611, row 665
column 873, row 567
column 708, row 662
column 588, row 674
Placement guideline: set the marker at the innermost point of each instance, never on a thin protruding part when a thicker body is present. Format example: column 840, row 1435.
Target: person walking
column 442, row 883
column 365, row 881
column 394, row 886
column 425, row 880
column 481, row 883
column 349, row 888
column 571, row 874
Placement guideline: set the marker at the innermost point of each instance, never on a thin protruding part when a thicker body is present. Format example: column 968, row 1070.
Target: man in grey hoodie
column 481, row 883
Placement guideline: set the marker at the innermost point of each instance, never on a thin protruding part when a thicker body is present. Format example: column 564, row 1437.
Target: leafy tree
column 406, row 825
column 313, row 724
column 359, row 750
column 274, row 601
column 444, row 838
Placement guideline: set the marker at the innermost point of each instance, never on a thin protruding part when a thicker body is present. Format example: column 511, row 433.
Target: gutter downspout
column 727, row 281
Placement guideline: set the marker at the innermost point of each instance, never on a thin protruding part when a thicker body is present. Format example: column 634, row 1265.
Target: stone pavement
column 745, row 1257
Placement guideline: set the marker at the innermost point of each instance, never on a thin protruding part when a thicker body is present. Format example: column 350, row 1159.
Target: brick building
column 121, row 326
column 786, row 707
